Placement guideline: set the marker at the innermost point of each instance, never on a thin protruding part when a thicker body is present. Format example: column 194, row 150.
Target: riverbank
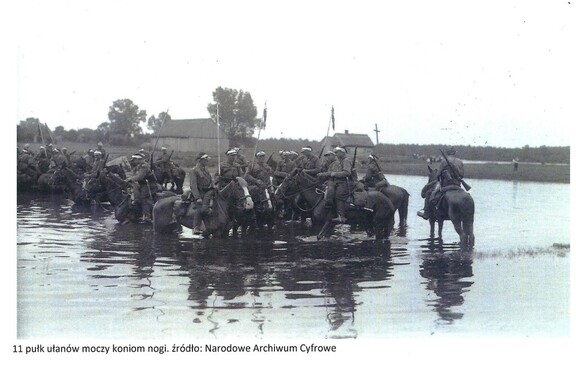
column 547, row 173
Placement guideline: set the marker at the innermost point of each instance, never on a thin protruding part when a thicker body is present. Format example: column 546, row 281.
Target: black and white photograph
column 303, row 182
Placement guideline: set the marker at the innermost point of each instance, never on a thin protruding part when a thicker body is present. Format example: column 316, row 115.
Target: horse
column 115, row 189
column 455, row 205
column 175, row 176
column 218, row 222
column 399, row 197
column 74, row 186
column 264, row 206
column 371, row 210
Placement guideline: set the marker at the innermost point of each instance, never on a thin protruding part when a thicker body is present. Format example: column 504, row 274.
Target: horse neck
column 114, row 191
column 308, row 189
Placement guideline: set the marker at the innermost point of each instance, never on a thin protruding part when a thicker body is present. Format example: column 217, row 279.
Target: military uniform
column 228, row 172
column 309, row 164
column 140, row 185
column 283, row 169
column 373, row 174
column 448, row 177
column 338, row 187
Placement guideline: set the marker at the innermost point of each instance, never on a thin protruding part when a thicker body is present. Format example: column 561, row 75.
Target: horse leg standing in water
column 454, row 204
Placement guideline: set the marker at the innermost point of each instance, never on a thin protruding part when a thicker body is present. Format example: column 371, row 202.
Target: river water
column 82, row 275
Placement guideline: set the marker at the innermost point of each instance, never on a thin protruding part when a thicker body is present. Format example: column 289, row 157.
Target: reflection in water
column 445, row 271
column 81, row 274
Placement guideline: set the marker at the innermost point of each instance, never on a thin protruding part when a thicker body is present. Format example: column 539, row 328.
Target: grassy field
column 526, row 172
column 402, row 166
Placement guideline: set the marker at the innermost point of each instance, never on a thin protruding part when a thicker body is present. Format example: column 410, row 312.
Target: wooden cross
column 377, row 131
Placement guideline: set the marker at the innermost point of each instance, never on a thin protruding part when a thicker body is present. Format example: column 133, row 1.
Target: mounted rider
column 308, row 162
column 201, row 193
column 450, row 173
column 164, row 163
column 229, row 170
column 329, row 158
column 284, row 168
column 258, row 177
column 101, row 149
column 374, row 175
column 339, row 186
column 97, row 165
column 240, row 159
column 142, row 190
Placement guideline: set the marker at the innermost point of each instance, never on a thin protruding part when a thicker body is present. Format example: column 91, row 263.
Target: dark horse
column 399, row 197
column 115, row 189
column 455, row 205
column 218, row 222
column 371, row 210
column 174, row 176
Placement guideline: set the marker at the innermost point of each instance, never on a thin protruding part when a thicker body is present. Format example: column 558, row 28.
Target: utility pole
column 377, row 131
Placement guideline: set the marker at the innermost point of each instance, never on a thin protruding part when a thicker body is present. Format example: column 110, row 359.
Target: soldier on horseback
column 165, row 164
column 229, row 170
column 450, row 174
column 374, row 174
column 308, row 162
column 139, row 179
column 201, row 195
column 338, row 187
column 329, row 158
column 284, row 168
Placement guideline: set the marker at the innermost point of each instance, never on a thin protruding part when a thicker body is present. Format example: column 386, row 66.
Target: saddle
column 440, row 202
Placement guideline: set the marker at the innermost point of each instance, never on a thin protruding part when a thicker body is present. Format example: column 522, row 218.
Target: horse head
column 243, row 195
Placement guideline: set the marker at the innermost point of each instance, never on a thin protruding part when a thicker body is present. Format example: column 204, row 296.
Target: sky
column 481, row 73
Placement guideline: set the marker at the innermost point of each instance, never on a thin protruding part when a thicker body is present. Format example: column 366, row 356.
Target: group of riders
column 334, row 169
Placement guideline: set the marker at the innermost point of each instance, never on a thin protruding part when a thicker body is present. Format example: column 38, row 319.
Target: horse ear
column 430, row 169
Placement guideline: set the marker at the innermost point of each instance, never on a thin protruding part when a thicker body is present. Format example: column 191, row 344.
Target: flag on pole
column 332, row 118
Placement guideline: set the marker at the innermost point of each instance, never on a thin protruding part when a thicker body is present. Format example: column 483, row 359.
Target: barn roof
column 190, row 128
column 350, row 140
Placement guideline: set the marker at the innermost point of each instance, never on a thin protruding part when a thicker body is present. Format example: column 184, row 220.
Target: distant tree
column 103, row 131
column 71, row 135
column 155, row 123
column 237, row 114
column 125, row 118
column 28, row 130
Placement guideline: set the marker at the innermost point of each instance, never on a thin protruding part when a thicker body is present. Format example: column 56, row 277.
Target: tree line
column 237, row 115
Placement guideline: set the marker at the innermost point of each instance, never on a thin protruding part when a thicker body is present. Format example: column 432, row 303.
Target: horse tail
column 403, row 208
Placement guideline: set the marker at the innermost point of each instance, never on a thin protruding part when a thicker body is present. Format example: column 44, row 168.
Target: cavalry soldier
column 89, row 158
column 329, row 158
column 260, row 172
column 98, row 163
column 140, row 183
column 42, row 160
column 229, row 170
column 201, row 191
column 240, row 159
column 58, row 159
column 308, row 162
column 25, row 161
column 374, row 174
column 449, row 173
column 284, row 168
column 338, row 188
column 101, row 149
column 66, row 155
column 165, row 164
